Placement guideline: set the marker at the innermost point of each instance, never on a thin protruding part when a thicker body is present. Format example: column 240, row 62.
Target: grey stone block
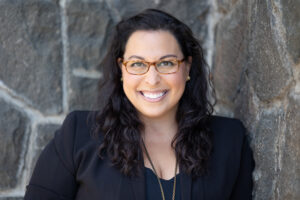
column 84, row 94
column 266, row 72
column 11, row 198
column 225, row 6
column 289, row 179
column 89, row 25
column 13, row 126
column 246, row 108
column 231, row 54
column 31, row 52
column 193, row 13
column 290, row 18
column 265, row 139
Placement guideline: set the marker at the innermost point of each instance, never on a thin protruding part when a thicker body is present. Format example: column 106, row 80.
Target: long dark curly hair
column 118, row 122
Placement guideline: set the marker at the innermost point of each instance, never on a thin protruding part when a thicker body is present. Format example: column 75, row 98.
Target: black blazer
column 69, row 167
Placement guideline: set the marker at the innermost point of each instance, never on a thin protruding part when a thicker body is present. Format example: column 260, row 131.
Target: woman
column 156, row 137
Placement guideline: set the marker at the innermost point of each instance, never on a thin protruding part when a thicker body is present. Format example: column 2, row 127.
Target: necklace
column 160, row 185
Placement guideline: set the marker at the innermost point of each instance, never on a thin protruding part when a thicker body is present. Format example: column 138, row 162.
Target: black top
column 70, row 168
column 152, row 186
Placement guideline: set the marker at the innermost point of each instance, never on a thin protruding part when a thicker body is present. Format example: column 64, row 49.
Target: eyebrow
column 141, row 58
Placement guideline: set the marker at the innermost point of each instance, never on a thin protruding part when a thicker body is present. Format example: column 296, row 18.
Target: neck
column 159, row 130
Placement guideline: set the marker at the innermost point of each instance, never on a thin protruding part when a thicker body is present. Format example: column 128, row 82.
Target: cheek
column 179, row 80
column 177, row 84
column 130, row 84
column 129, row 89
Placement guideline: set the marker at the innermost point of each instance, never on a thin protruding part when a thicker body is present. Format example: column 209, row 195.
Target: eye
column 166, row 63
column 137, row 64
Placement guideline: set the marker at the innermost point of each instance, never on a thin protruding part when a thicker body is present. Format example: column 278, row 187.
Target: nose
column 152, row 77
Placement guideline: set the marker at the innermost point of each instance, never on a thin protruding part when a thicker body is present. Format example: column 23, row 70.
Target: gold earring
column 121, row 79
column 188, row 78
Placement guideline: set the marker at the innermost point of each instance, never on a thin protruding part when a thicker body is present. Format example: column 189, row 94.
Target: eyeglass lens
column 163, row 66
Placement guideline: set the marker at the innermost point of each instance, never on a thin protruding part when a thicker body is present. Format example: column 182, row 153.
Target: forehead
column 152, row 44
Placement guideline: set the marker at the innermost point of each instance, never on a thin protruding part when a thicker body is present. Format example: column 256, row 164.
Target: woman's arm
column 54, row 175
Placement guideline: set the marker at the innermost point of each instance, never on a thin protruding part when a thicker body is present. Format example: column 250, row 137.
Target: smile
column 153, row 96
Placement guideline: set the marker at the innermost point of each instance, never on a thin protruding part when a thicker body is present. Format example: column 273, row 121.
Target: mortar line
column 5, row 90
column 35, row 117
column 91, row 74
column 20, row 102
column 212, row 19
column 28, row 154
column 65, row 62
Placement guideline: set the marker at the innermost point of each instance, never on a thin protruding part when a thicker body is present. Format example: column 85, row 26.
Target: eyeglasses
column 140, row 67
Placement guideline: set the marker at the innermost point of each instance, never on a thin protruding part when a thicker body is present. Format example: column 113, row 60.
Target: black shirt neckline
column 165, row 180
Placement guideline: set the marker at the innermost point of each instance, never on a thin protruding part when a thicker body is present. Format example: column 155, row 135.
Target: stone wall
column 50, row 52
column 256, row 70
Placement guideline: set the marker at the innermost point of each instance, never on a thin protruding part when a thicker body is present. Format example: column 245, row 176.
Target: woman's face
column 154, row 95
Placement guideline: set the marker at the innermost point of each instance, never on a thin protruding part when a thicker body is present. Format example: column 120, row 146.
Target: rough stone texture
column 256, row 82
column 296, row 74
column 13, row 127
column 289, row 178
column 30, row 48
column 231, row 39
column 266, row 71
column 193, row 13
column 11, row 198
column 224, row 6
column 291, row 16
column 88, row 26
column 84, row 94
column 265, row 140
column 246, row 107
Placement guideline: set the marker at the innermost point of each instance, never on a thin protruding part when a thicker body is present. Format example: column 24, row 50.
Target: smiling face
column 154, row 95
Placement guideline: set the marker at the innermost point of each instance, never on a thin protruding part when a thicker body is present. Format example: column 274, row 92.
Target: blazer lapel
column 185, row 186
column 138, row 186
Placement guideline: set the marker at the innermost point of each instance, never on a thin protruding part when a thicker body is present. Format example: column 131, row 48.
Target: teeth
column 153, row 95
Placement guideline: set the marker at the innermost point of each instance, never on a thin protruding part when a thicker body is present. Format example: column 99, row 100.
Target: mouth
column 153, row 96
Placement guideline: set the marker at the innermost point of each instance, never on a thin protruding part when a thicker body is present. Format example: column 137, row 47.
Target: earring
column 188, row 78
column 121, row 79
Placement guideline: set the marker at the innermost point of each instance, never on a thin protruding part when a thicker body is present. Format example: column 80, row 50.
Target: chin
column 154, row 114
column 150, row 114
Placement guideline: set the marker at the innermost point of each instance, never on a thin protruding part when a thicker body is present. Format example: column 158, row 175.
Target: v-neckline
column 165, row 180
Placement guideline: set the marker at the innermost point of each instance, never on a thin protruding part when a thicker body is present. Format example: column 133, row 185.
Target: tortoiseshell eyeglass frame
column 152, row 63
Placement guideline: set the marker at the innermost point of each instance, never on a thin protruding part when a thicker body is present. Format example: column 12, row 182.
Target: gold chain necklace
column 160, row 185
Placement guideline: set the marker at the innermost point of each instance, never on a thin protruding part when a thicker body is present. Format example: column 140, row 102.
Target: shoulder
column 75, row 135
column 79, row 118
column 229, row 136
column 219, row 123
column 225, row 127
column 77, row 125
column 231, row 162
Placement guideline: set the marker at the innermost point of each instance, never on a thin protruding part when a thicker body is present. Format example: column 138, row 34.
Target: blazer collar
column 138, row 186
column 185, row 186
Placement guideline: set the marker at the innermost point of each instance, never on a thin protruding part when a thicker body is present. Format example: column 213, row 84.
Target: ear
column 119, row 61
column 189, row 64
